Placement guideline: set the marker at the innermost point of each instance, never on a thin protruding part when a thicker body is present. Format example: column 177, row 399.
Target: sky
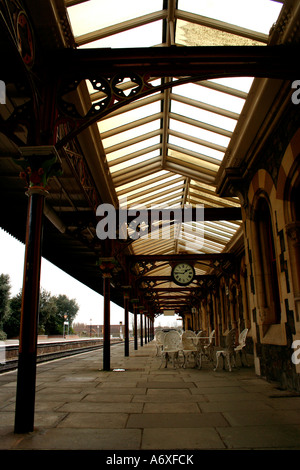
column 56, row 281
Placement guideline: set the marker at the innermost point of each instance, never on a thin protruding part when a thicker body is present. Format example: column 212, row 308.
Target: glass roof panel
column 126, row 136
column 213, row 97
column 127, row 150
column 142, row 36
column 165, row 150
column 152, row 183
column 199, row 133
column 238, row 83
column 257, row 15
column 114, row 122
column 189, row 34
column 129, row 163
column 203, row 115
column 159, row 175
column 92, row 15
column 186, row 144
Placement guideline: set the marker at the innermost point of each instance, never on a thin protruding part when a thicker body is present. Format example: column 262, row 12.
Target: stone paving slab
column 147, row 407
column 182, row 438
column 82, row 439
column 92, row 419
column 176, row 420
column 165, row 384
column 278, row 437
column 163, row 407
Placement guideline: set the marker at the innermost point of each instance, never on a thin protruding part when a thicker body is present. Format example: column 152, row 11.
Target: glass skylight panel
column 142, row 137
column 126, row 136
column 149, row 195
column 201, row 165
column 190, row 34
column 203, row 115
column 223, row 227
column 237, row 83
column 97, row 14
column 215, row 98
column 152, row 184
column 202, row 196
column 199, row 133
column 148, row 35
column 143, row 180
column 127, row 150
column 153, row 151
column 157, row 200
column 257, row 15
column 200, row 149
column 130, row 163
column 111, row 123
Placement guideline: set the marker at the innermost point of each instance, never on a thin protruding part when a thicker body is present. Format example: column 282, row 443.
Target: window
column 266, row 259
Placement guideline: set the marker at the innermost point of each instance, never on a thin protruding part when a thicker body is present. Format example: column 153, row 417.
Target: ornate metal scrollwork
column 112, row 91
column 147, row 284
column 143, row 267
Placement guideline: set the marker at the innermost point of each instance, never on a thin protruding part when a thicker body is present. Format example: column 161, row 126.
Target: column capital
column 126, row 291
column 39, row 164
column 107, row 266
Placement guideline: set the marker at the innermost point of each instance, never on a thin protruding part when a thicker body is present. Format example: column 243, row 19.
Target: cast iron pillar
column 107, row 266
column 146, row 328
column 106, row 315
column 126, row 290
column 141, row 324
column 39, row 164
column 135, row 307
column 25, row 398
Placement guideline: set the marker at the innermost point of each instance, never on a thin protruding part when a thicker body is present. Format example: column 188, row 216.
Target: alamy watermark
column 296, row 94
column 296, row 353
column 138, row 222
column 2, row 92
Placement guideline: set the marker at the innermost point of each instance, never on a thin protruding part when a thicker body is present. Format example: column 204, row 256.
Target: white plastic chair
column 242, row 343
column 228, row 352
column 171, row 347
column 206, row 346
column 189, row 347
column 159, row 340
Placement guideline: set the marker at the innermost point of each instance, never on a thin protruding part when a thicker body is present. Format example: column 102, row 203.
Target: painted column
column 106, row 321
column 126, row 294
column 39, row 164
column 107, row 266
column 146, row 328
column 141, row 324
column 135, row 307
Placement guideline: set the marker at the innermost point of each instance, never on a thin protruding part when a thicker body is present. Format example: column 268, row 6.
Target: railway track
column 57, row 352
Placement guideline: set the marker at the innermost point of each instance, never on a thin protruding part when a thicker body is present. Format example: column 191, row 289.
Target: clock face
column 183, row 274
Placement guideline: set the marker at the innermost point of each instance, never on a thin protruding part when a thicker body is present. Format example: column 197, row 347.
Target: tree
column 47, row 310
column 53, row 311
column 4, row 301
column 11, row 323
column 66, row 311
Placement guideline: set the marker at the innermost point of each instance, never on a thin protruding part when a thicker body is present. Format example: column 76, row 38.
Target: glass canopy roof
column 165, row 150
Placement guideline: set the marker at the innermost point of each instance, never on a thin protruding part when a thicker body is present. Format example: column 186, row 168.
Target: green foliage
column 65, row 310
column 53, row 311
column 11, row 324
column 4, row 301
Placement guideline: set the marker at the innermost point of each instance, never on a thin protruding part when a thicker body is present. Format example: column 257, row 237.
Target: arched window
column 269, row 288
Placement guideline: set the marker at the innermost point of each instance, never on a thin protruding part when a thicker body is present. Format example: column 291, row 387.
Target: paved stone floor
column 148, row 407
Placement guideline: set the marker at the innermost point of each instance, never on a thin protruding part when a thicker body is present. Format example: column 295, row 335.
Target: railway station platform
column 141, row 406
